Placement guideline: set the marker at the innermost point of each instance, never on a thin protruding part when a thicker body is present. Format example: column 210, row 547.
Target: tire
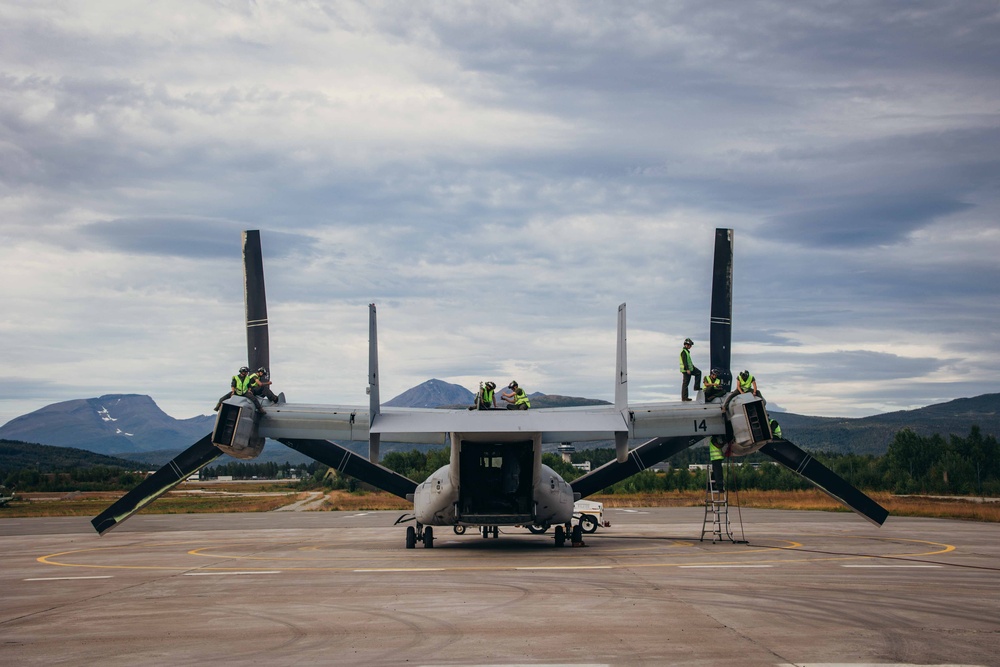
column 588, row 523
column 537, row 530
column 428, row 538
column 459, row 530
column 560, row 536
column 577, row 534
column 411, row 537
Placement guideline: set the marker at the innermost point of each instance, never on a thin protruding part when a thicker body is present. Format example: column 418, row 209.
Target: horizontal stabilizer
column 793, row 457
column 345, row 461
column 645, row 455
column 185, row 464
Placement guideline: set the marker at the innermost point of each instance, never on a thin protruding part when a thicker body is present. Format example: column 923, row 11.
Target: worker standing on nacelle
column 688, row 369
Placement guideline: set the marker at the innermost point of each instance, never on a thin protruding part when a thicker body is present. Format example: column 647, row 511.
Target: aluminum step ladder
column 716, row 512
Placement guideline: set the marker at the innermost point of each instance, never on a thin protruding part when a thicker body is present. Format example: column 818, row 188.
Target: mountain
column 432, row 394
column 111, row 424
column 43, row 458
column 872, row 435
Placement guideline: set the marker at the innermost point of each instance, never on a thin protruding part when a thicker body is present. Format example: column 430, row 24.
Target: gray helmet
column 744, row 375
column 261, row 371
column 244, row 369
column 688, row 341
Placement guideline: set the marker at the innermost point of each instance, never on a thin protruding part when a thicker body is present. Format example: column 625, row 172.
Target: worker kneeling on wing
column 485, row 399
column 713, row 385
column 516, row 398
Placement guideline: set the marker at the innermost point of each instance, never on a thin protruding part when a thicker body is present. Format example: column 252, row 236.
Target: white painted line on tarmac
column 897, row 567
column 564, row 567
column 402, row 569
column 102, row 576
column 720, row 567
column 217, row 574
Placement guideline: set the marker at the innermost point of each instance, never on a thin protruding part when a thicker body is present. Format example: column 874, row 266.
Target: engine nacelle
column 235, row 430
column 748, row 418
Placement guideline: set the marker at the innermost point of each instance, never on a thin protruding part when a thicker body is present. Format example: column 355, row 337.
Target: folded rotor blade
column 722, row 306
column 645, row 455
column 185, row 464
column 793, row 457
column 345, row 461
column 258, row 354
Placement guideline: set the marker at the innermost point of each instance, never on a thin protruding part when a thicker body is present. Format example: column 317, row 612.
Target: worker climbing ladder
column 716, row 510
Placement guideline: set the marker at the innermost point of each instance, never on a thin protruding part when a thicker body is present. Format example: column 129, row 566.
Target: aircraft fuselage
column 494, row 481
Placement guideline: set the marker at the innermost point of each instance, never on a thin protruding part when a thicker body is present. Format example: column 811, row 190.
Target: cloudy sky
column 498, row 177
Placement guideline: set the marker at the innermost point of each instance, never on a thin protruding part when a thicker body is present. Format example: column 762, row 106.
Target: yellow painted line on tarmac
column 894, row 567
column 401, row 569
column 565, row 567
column 737, row 559
column 100, row 576
column 719, row 567
column 201, row 573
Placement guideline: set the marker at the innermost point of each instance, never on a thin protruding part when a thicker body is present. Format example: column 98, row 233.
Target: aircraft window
column 488, row 461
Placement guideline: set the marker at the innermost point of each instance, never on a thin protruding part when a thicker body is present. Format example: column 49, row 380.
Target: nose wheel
column 419, row 534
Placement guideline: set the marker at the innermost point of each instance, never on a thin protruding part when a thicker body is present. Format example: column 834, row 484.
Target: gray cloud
column 518, row 169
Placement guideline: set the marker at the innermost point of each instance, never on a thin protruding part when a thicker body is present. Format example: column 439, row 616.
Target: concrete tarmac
column 306, row 588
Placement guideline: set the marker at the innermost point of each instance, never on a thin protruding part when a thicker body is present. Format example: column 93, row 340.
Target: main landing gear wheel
column 459, row 530
column 428, row 538
column 588, row 523
column 411, row 537
column 560, row 536
column 577, row 534
column 537, row 530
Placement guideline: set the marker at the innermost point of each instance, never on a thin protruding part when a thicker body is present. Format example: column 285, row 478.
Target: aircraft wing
column 432, row 426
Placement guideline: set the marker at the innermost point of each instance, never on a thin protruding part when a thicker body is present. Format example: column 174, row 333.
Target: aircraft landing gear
column 489, row 531
column 560, row 536
column 420, row 533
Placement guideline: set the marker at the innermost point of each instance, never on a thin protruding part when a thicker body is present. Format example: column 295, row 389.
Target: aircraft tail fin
column 373, row 398
column 621, row 387
column 621, row 365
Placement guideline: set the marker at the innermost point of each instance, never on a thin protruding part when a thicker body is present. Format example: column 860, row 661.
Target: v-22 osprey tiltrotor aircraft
column 495, row 476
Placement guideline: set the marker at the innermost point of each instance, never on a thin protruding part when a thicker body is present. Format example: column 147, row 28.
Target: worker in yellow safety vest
column 746, row 383
column 241, row 386
column 713, row 385
column 688, row 369
column 485, row 400
column 716, row 455
column 516, row 398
